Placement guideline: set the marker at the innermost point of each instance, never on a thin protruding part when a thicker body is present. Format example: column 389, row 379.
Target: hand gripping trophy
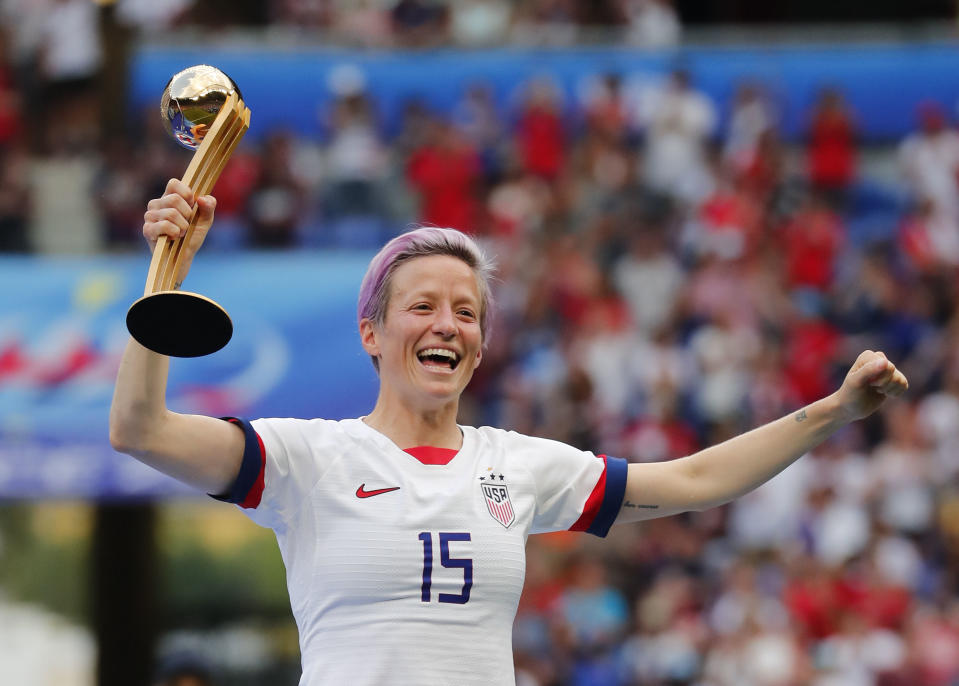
column 203, row 110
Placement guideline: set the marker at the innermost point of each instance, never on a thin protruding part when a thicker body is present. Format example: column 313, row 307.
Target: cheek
column 477, row 358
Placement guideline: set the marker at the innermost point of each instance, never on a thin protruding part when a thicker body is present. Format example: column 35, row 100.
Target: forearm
column 724, row 472
column 139, row 398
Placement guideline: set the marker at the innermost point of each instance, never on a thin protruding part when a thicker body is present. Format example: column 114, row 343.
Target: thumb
column 206, row 206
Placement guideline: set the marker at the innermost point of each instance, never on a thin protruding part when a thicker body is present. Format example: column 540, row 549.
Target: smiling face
column 430, row 341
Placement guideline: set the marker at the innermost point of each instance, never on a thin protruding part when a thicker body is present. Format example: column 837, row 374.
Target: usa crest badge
column 498, row 503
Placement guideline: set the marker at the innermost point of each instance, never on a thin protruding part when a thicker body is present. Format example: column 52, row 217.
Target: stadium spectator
column 275, row 205
column 121, row 190
column 752, row 118
column 813, row 242
column 445, row 171
column 518, row 205
column 15, row 200
column 650, row 278
column 678, row 122
column 651, row 23
column 11, row 117
column 477, row 116
column 69, row 60
column 541, row 139
column 832, row 147
column 153, row 15
column 364, row 23
column 354, row 200
column 545, row 22
column 929, row 159
column 418, row 23
column 479, row 23
column 606, row 108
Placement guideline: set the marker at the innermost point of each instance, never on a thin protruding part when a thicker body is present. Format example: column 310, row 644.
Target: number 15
column 464, row 563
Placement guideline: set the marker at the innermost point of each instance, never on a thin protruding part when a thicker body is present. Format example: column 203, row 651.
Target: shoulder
column 312, row 430
column 515, row 444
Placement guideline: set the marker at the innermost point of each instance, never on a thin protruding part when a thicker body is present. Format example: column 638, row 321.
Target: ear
column 368, row 337
column 479, row 358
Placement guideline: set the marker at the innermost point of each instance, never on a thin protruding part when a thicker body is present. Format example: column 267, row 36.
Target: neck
column 409, row 427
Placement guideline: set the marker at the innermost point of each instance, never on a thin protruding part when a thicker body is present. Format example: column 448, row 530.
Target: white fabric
column 355, row 565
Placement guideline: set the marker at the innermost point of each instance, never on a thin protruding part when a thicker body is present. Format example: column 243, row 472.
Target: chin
column 444, row 390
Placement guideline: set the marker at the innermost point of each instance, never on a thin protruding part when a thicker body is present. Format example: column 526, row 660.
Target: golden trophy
column 203, row 110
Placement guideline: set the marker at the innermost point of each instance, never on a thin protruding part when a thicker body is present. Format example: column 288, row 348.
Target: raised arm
column 723, row 472
column 204, row 452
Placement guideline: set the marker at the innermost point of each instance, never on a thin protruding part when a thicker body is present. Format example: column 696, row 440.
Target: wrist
column 834, row 413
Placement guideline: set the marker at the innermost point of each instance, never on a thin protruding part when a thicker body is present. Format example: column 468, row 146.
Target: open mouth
column 438, row 358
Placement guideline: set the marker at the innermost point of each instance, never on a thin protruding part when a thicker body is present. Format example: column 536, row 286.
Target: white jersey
column 406, row 567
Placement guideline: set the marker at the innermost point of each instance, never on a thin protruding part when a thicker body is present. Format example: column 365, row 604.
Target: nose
column 444, row 323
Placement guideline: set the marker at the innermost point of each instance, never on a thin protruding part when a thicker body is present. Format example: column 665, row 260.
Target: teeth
column 439, row 351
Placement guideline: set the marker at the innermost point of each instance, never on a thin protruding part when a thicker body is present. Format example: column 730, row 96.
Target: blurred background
column 701, row 211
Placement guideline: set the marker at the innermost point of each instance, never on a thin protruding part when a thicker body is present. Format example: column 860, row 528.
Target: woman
column 402, row 532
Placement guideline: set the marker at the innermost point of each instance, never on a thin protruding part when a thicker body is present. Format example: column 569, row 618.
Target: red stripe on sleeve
column 593, row 502
column 252, row 498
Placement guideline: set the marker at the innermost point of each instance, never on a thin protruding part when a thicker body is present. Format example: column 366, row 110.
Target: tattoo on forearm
column 801, row 416
column 642, row 507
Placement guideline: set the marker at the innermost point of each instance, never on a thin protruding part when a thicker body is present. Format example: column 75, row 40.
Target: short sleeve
column 279, row 468
column 575, row 489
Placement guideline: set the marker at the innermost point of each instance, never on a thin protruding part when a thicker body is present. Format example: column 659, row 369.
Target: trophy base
column 179, row 324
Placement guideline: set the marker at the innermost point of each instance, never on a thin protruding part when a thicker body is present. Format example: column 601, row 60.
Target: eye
column 421, row 306
column 466, row 313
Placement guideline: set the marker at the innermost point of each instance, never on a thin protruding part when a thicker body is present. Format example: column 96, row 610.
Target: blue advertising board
column 295, row 353
column 288, row 88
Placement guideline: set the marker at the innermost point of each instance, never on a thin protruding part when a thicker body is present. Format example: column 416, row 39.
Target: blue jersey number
column 464, row 563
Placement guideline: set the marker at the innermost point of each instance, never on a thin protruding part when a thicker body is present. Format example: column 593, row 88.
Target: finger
column 168, row 215
column 169, row 208
column 173, row 201
column 152, row 230
column 177, row 187
column 868, row 370
column 883, row 375
column 896, row 386
column 864, row 358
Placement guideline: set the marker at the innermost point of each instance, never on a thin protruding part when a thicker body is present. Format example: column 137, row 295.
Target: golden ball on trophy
column 191, row 101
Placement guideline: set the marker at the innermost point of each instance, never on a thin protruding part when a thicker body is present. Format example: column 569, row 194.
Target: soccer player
column 403, row 532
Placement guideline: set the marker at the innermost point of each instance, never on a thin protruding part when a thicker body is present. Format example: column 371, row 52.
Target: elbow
column 134, row 426
column 703, row 505
column 702, row 491
column 121, row 439
column 120, row 432
column 127, row 435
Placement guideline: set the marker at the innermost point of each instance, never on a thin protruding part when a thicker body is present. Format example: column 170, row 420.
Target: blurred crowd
column 668, row 277
column 666, row 285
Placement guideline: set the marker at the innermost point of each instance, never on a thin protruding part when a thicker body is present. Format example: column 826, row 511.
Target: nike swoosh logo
column 361, row 493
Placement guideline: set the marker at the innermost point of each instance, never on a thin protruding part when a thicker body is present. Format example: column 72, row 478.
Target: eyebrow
column 429, row 294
